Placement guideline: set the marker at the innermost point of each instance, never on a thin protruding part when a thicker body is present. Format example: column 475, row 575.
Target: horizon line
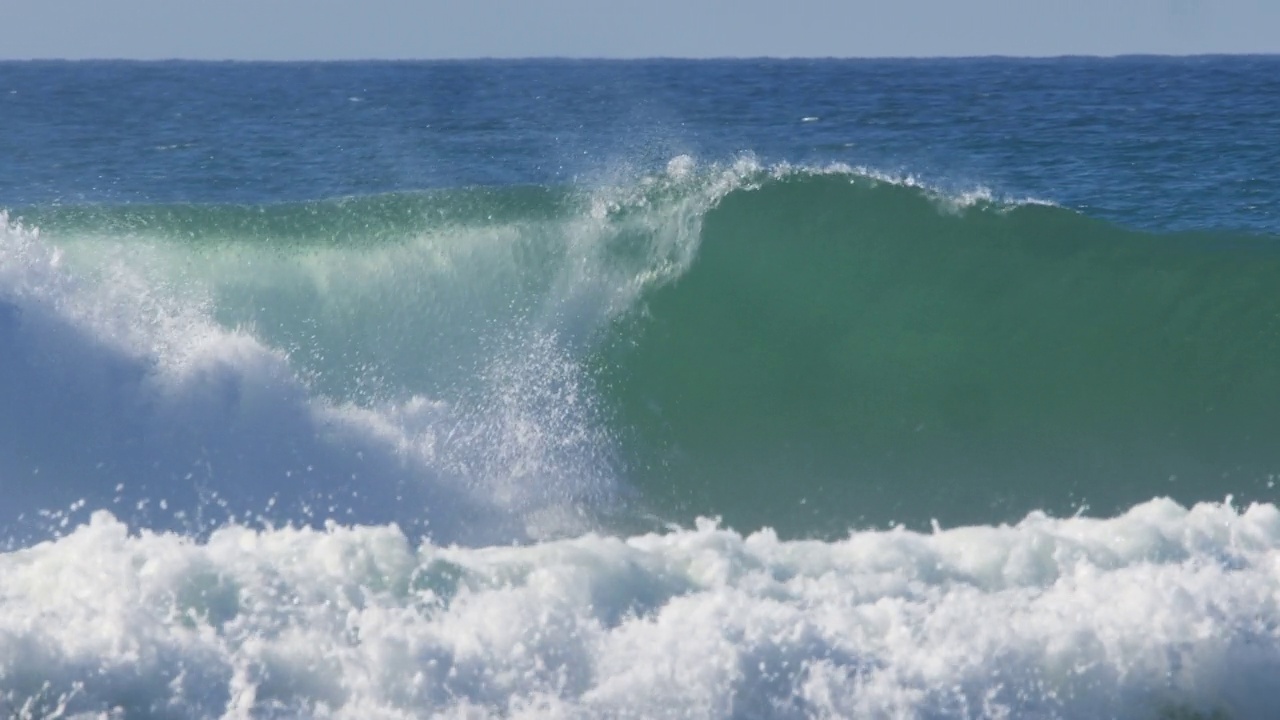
column 641, row 58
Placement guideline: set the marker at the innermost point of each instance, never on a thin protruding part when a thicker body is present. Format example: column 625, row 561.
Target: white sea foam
column 1160, row 612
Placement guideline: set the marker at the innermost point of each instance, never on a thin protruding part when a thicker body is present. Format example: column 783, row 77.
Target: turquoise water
column 657, row 389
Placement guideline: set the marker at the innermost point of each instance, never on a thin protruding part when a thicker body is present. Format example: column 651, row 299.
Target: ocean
column 640, row 389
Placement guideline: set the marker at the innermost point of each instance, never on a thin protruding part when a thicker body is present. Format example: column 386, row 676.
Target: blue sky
column 340, row 29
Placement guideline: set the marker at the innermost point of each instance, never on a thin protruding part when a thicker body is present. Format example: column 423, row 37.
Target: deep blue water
column 1152, row 142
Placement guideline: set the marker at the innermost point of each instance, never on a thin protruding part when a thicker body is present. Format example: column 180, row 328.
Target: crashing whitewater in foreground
column 413, row 455
column 1160, row 612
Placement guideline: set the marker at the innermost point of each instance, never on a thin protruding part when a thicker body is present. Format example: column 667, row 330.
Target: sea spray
column 157, row 412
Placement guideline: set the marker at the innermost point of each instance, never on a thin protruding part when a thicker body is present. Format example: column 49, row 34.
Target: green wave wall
column 847, row 352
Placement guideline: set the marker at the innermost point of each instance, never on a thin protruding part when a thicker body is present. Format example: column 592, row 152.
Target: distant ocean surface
column 644, row 389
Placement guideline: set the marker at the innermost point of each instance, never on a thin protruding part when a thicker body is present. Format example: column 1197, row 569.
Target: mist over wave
column 120, row 396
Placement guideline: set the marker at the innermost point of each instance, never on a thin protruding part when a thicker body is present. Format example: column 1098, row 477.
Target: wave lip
column 1160, row 612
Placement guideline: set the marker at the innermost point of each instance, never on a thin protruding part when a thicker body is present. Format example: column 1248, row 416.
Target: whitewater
column 743, row 430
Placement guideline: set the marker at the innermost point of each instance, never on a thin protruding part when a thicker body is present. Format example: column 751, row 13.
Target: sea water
column 885, row 389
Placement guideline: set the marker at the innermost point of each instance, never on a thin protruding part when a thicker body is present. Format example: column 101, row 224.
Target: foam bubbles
column 1162, row 611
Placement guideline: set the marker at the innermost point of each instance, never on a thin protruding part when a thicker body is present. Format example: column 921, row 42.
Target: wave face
column 846, row 350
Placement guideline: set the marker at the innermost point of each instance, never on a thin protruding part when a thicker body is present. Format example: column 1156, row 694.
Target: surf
column 458, row 451
column 1160, row 612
